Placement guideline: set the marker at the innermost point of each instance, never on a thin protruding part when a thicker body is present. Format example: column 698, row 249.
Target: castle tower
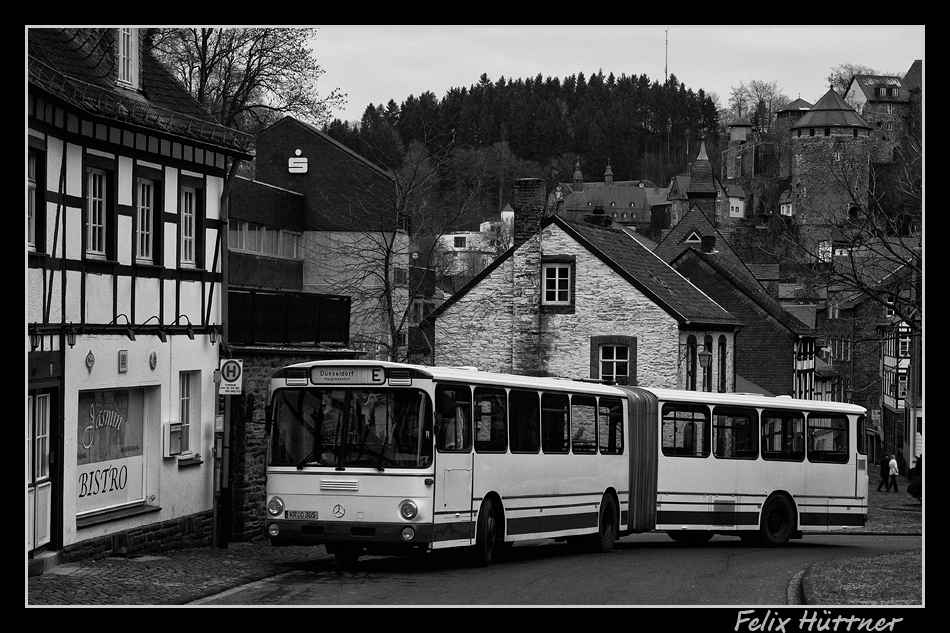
column 830, row 149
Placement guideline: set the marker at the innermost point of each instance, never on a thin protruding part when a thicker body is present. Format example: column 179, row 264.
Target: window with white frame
column 904, row 343
column 96, row 210
column 187, row 214
column 556, row 279
column 901, row 384
column 186, row 408
column 889, row 306
column 614, row 363
column 128, row 57
column 263, row 240
column 144, row 220
column 824, row 251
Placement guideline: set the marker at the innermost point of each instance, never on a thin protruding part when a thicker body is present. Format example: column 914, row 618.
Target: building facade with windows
column 585, row 300
column 123, row 296
column 353, row 236
column 776, row 350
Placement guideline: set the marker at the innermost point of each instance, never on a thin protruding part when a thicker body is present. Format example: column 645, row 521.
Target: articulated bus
column 375, row 457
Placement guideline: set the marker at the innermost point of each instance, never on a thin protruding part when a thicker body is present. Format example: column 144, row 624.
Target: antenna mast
column 666, row 59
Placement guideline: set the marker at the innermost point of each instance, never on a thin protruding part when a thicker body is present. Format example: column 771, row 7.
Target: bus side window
column 783, row 435
column 735, row 433
column 610, row 428
column 554, row 423
column 828, row 438
column 524, row 420
column 453, row 418
column 491, row 420
column 583, row 424
column 685, row 430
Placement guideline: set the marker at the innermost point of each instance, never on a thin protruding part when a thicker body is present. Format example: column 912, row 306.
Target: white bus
column 379, row 457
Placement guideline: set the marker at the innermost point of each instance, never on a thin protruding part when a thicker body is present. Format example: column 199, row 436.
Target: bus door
column 454, row 523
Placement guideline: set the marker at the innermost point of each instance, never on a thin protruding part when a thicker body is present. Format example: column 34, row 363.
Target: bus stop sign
column 231, row 377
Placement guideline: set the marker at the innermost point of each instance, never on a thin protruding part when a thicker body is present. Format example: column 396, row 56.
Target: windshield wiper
column 306, row 460
column 365, row 450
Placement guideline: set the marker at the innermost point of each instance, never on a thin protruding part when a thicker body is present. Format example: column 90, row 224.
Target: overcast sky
column 373, row 64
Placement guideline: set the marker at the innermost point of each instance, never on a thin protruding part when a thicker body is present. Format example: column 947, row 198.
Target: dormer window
column 128, row 57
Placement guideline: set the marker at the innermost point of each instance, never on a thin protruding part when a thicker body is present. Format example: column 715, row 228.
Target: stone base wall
column 190, row 531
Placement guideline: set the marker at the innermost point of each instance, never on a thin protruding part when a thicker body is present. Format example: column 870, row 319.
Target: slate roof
column 635, row 263
column 77, row 66
column 742, row 280
column 623, row 196
column 651, row 275
column 914, row 79
column 797, row 105
column 868, row 84
column 674, row 243
column 701, row 179
column 831, row 111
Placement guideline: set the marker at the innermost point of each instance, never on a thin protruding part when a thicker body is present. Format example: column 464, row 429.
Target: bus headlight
column 408, row 533
column 273, row 529
column 408, row 510
column 275, row 506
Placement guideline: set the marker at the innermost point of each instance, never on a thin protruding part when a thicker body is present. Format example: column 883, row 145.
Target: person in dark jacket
column 885, row 472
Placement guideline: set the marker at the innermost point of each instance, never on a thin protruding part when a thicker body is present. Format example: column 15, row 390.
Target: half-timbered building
column 123, row 296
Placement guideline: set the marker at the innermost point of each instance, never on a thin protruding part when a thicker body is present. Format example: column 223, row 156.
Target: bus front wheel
column 778, row 521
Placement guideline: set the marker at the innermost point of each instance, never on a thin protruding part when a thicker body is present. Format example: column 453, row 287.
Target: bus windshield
column 351, row 427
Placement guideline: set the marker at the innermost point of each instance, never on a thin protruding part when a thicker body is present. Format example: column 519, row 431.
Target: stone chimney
column 530, row 196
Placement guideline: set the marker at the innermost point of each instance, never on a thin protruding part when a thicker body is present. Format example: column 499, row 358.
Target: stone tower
column 702, row 191
column 830, row 149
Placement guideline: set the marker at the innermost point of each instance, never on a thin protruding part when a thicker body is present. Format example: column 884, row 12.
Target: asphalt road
column 643, row 570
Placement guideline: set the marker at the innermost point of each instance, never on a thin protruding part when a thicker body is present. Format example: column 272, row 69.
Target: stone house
column 585, row 300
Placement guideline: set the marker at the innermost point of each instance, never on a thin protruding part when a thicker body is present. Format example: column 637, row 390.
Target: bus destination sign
column 347, row 376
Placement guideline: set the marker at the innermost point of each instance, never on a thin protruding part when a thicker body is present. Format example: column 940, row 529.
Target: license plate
column 300, row 514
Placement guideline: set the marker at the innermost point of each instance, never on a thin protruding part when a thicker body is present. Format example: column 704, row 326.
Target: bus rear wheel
column 608, row 522
column 778, row 521
column 486, row 534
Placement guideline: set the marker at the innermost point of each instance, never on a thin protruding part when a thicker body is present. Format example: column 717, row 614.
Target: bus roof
column 475, row 376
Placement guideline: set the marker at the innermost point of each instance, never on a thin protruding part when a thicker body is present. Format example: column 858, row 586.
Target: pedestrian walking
column 885, row 472
column 892, row 474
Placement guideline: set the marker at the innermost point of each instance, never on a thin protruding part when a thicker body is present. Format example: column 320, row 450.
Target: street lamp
column 705, row 358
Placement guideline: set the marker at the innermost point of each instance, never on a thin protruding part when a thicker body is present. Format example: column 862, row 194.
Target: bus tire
column 690, row 537
column 608, row 523
column 778, row 521
column 486, row 534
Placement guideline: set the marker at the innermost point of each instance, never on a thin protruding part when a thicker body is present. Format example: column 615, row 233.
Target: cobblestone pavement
column 183, row 576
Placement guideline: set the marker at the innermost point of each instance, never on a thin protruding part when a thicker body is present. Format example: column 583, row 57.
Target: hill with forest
column 543, row 127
